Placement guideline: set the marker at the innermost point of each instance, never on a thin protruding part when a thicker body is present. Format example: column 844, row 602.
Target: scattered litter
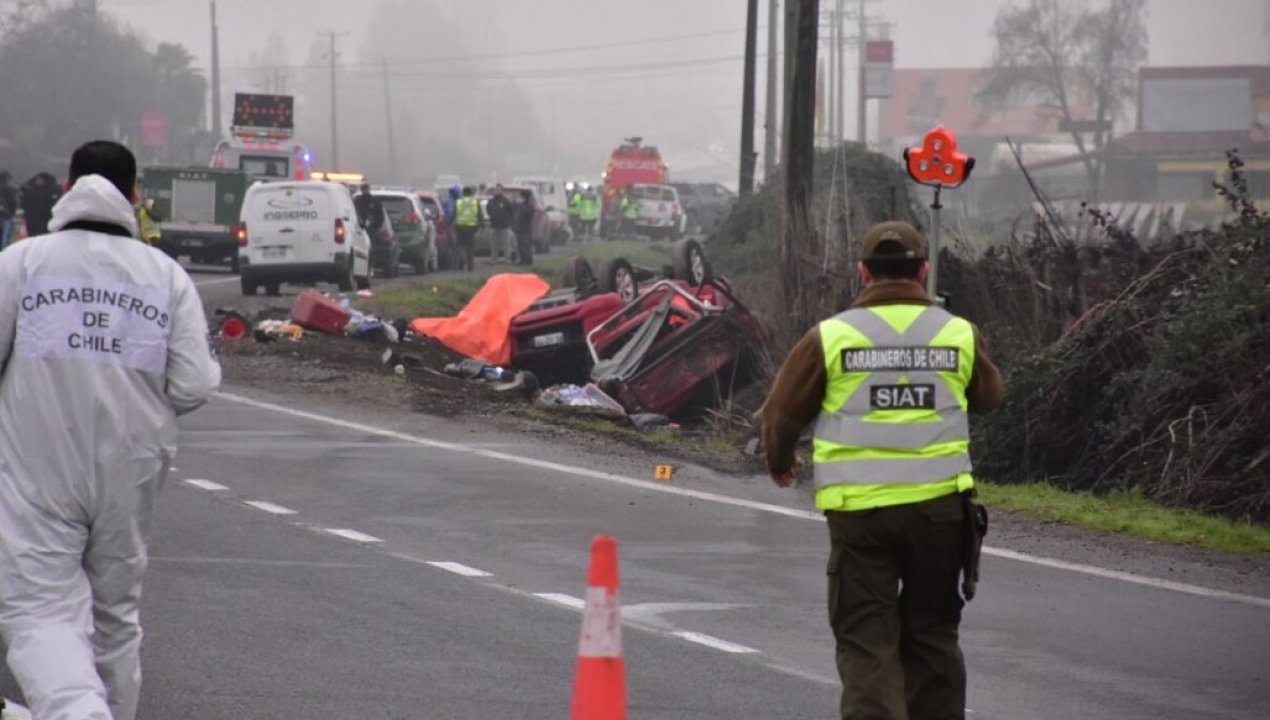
column 234, row 326
column 752, row 446
column 588, row 396
column 473, row 369
column 365, row 293
column 269, row 330
column 650, row 421
column 315, row 311
column 663, row 472
column 524, row 381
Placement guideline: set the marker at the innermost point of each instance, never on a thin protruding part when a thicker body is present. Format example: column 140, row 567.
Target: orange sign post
column 939, row 165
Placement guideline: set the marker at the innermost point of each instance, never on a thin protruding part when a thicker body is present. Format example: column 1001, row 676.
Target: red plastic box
column 315, row 311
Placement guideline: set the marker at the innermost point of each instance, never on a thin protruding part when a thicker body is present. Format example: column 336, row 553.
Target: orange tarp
column 481, row 329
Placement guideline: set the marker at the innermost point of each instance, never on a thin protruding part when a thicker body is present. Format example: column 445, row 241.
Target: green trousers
column 894, row 609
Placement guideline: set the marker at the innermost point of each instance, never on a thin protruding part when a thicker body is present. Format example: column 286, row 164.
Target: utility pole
column 746, row 184
column 392, row 140
column 769, row 117
column 862, row 100
column 840, row 131
column 335, row 132
column 217, row 130
column 802, row 26
column 831, row 85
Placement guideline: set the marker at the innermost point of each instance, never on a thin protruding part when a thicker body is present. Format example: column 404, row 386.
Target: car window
column 668, row 195
column 398, row 207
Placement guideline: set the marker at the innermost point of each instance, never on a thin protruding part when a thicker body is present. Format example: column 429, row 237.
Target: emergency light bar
column 339, row 177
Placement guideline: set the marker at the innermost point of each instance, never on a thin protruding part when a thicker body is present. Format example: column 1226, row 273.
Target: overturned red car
column 676, row 348
column 549, row 339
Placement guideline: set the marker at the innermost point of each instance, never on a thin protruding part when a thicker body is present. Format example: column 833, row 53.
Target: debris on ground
column 588, row 396
column 315, row 311
column 233, row 325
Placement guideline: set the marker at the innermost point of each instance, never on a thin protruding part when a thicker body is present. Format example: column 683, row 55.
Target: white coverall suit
column 104, row 342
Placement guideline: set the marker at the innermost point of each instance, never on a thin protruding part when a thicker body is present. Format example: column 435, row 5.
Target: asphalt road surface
column 325, row 561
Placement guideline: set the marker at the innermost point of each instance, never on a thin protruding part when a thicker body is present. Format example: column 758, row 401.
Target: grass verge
column 1130, row 513
column 444, row 295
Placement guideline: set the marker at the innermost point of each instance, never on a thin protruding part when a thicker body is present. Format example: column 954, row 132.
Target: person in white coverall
column 103, row 342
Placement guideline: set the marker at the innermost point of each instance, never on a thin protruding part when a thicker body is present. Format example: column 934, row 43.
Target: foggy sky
column 690, row 110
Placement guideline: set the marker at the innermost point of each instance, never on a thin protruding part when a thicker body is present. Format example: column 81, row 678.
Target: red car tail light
column 240, row 234
column 340, row 233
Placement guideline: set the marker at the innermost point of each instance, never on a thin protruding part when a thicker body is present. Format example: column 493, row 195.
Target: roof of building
column 1142, row 142
column 1258, row 74
column 925, row 97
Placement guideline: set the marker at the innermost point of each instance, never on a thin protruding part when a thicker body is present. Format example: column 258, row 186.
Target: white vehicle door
column 290, row 224
column 358, row 239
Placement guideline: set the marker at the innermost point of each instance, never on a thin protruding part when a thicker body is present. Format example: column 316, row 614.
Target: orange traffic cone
column 599, row 688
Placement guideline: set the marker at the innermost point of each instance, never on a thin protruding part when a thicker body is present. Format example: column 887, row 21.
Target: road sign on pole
column 938, row 164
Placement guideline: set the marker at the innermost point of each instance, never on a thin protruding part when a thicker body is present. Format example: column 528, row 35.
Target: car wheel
column 346, row 281
column 248, row 285
column 273, row 288
column 578, row 274
column 691, row 265
column 617, row 276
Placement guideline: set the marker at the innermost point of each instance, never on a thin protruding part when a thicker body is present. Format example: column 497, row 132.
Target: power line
column 534, row 53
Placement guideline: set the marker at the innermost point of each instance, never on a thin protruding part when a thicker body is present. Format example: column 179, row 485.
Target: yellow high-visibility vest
column 467, row 212
column 150, row 231
column 893, row 428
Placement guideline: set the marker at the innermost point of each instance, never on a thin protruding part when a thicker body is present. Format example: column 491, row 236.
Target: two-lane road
column 306, row 565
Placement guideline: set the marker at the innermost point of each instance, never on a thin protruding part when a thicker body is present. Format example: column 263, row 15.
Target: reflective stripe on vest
column 467, row 213
column 895, row 401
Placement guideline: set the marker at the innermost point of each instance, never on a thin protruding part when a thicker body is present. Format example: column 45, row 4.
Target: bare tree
column 1068, row 56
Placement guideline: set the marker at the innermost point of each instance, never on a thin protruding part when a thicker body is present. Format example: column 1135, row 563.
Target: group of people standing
column 512, row 221
column 34, row 199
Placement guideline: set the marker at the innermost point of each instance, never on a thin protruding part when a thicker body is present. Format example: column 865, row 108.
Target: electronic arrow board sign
column 271, row 116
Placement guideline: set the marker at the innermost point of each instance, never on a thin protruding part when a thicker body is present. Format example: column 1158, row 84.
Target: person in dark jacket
column 523, row 225
column 501, row 211
column 39, row 195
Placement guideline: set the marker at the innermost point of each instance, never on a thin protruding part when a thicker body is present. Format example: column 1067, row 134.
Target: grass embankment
column 445, row 294
column 1129, row 513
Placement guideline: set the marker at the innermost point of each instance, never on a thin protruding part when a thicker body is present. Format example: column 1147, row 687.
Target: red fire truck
column 632, row 163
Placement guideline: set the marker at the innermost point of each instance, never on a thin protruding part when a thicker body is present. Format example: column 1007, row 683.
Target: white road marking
column 353, row 535
column 458, row 569
column 217, row 281
column 568, row 601
column 711, row 641
column 269, row 507
column 716, row 498
column 206, row 485
column 14, row 711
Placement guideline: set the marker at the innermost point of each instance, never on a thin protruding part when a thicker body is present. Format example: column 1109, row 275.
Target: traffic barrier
column 599, row 688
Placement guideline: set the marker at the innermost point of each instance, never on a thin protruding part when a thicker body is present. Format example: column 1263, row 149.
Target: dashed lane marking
column 353, row 535
column 206, row 485
column 269, row 507
column 217, row 281
column 568, row 601
column 562, row 469
column 458, row 568
column 711, row 641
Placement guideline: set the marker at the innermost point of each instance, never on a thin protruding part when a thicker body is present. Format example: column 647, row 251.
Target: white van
column 301, row 232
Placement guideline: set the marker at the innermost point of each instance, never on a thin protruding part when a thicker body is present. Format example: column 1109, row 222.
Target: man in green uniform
column 888, row 384
column 467, row 221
